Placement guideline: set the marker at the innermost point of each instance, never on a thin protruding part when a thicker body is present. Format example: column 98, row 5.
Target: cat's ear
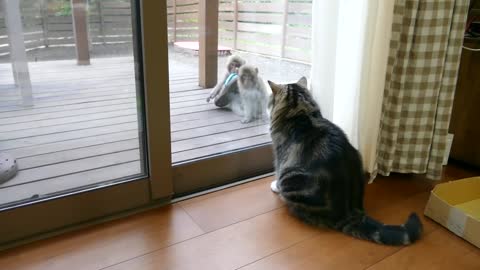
column 275, row 87
column 303, row 82
column 256, row 70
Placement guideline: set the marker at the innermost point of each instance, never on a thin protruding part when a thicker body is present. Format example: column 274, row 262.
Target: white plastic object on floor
column 8, row 167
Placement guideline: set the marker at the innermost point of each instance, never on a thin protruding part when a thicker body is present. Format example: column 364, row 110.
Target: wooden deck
column 83, row 128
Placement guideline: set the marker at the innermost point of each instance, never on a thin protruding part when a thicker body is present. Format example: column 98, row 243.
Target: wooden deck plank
column 72, row 101
column 49, row 122
column 72, row 167
column 33, row 111
column 65, row 145
column 77, row 154
column 76, row 74
column 193, row 109
column 60, row 129
column 199, row 91
column 204, row 122
column 81, row 93
column 79, row 89
column 220, row 148
column 70, row 82
column 68, row 65
column 88, row 113
column 199, row 115
column 63, row 65
column 86, row 87
column 186, row 87
column 68, row 182
column 41, row 74
column 12, row 144
column 219, row 129
column 50, row 87
column 202, row 96
column 188, row 103
column 94, row 102
column 11, row 102
column 224, row 137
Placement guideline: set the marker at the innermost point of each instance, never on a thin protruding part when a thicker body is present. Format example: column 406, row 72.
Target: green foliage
column 64, row 8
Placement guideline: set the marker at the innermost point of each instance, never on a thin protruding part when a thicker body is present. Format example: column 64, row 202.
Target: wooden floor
column 248, row 227
column 83, row 128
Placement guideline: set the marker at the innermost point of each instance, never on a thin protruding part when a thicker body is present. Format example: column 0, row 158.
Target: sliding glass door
column 71, row 108
column 84, row 123
column 211, row 145
column 103, row 103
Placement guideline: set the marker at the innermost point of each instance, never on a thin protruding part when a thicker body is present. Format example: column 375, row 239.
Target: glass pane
column 70, row 101
column 271, row 35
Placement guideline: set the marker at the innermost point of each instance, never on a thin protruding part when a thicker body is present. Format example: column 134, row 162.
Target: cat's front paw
column 274, row 187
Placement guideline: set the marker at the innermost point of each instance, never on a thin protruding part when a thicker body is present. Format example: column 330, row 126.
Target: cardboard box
column 456, row 206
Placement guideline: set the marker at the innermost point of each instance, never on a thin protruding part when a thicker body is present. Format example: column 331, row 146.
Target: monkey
column 225, row 93
column 246, row 97
column 253, row 93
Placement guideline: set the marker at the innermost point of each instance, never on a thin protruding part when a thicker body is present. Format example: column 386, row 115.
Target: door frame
column 211, row 172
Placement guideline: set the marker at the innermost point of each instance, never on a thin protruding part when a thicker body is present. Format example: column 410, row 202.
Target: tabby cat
column 320, row 174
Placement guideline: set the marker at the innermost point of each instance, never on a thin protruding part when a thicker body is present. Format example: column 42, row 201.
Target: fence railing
column 109, row 21
column 277, row 27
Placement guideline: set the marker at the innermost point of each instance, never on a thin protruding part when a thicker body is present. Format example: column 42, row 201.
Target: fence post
column 44, row 14
column 174, row 21
column 208, row 42
column 284, row 28
column 102, row 21
column 235, row 23
column 18, row 55
column 80, row 31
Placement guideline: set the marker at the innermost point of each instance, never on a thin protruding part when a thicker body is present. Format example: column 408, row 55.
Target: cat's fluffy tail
column 365, row 227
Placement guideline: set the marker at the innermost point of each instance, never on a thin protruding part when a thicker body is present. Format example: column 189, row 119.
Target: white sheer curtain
column 350, row 44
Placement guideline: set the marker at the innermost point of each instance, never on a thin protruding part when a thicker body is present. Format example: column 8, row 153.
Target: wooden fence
column 272, row 27
column 109, row 21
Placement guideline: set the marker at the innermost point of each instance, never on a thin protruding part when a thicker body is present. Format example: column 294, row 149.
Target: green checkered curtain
column 427, row 37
